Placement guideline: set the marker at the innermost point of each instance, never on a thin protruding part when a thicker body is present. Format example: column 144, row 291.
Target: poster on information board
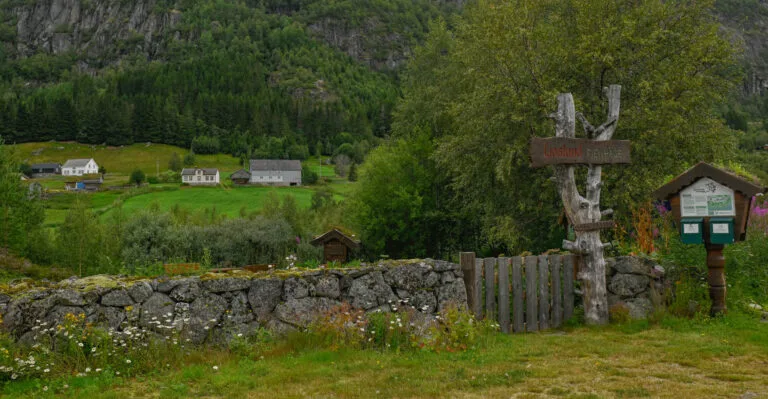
column 707, row 197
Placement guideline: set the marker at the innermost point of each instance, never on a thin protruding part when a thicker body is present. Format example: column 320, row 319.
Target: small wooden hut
column 241, row 177
column 337, row 246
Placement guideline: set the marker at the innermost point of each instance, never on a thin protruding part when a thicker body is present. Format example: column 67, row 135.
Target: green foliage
column 137, row 177
column 308, row 175
column 190, row 159
column 174, row 164
column 21, row 211
column 352, row 172
column 485, row 89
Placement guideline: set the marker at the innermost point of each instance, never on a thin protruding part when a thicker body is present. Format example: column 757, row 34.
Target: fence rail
column 538, row 288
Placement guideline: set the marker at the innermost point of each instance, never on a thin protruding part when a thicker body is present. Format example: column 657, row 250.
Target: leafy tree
column 341, row 164
column 137, row 177
column 189, row 159
column 21, row 213
column 174, row 163
column 308, row 175
column 484, row 91
column 79, row 239
column 352, row 172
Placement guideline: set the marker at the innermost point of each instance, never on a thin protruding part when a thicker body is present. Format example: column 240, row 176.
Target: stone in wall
column 635, row 282
column 215, row 307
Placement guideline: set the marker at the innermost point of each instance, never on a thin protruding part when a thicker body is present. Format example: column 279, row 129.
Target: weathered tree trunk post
column 582, row 210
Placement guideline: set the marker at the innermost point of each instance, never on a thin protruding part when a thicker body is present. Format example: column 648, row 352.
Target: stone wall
column 637, row 283
column 217, row 306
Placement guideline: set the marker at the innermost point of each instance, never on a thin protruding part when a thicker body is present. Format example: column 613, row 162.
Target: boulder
column 186, row 291
column 155, row 310
column 303, row 311
column 633, row 265
column 424, row 301
column 408, row 277
column 140, row 291
column 119, row 298
column 217, row 285
column 56, row 315
column 327, row 286
column 239, row 312
column 628, row 285
column 205, row 313
column 108, row 316
column 453, row 294
column 447, row 277
column 444, row 266
column 639, row 308
column 295, row 288
column 264, row 295
column 370, row 290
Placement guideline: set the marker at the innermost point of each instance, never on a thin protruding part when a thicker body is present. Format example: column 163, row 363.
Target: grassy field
column 725, row 358
column 121, row 160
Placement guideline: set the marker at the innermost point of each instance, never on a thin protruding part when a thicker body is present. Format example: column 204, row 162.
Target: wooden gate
column 538, row 288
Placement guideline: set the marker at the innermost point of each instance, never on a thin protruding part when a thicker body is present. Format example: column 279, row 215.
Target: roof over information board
column 703, row 169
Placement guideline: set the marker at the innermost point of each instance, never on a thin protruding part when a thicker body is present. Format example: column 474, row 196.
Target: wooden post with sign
column 564, row 151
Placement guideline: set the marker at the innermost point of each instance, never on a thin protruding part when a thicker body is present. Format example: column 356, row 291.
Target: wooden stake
column 716, row 278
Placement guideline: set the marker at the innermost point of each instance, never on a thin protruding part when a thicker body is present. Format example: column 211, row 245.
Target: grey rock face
column 370, row 290
column 226, row 284
column 187, row 291
column 155, row 309
column 140, row 291
column 327, row 286
column 639, row 308
column 295, row 288
column 454, row 294
column 205, row 313
column 633, row 265
column 425, row 301
column 627, row 285
column 407, row 277
column 264, row 295
column 239, row 312
column 119, row 298
column 301, row 312
column 106, row 315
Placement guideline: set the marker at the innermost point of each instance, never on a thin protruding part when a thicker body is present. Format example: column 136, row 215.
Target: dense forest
column 244, row 77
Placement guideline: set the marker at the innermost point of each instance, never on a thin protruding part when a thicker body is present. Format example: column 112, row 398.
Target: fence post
column 568, row 287
column 531, row 315
column 557, row 293
column 490, row 289
column 504, row 295
column 544, row 292
column 517, row 292
column 467, row 261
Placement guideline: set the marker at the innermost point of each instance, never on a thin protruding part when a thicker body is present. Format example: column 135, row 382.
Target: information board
column 707, row 197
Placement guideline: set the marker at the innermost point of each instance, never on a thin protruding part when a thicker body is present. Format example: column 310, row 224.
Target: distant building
column 45, row 169
column 84, row 184
column 79, row 167
column 276, row 172
column 241, row 177
column 200, row 176
column 337, row 246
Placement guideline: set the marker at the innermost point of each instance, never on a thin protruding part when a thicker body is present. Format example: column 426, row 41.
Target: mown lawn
column 678, row 359
column 227, row 201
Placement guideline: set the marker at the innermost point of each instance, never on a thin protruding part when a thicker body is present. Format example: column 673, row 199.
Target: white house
column 200, row 176
column 276, row 172
column 79, row 167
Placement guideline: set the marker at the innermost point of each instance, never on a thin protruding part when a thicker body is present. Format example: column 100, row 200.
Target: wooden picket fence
column 539, row 290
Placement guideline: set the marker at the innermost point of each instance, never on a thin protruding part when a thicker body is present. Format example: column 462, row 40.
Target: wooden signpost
column 564, row 151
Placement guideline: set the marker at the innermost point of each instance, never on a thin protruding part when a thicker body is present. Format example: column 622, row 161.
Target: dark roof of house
column 240, row 174
column 76, row 163
column 275, row 164
column 346, row 240
column 92, row 181
column 703, row 169
column 206, row 171
column 45, row 166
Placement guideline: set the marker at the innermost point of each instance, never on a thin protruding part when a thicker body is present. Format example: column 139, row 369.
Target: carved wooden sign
column 562, row 150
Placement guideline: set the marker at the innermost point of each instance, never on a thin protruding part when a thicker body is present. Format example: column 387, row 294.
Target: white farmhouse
column 276, row 172
column 200, row 176
column 79, row 167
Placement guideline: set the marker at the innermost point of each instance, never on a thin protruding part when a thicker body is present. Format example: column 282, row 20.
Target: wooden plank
column 490, row 289
column 467, row 262
column 565, row 150
column 478, row 310
column 517, row 295
column 557, row 293
column 504, row 295
column 568, row 265
column 544, row 292
column 531, row 315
